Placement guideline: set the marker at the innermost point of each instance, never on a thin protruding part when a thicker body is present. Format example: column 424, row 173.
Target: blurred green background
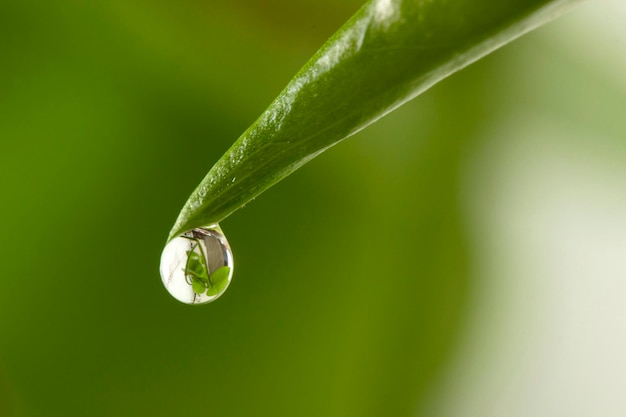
column 462, row 257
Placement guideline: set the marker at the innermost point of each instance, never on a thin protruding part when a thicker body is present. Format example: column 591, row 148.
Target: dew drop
column 197, row 266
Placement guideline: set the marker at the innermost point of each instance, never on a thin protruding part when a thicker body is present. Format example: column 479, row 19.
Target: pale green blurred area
column 462, row 257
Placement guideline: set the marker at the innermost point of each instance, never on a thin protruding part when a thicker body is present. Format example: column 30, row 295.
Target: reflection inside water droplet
column 197, row 266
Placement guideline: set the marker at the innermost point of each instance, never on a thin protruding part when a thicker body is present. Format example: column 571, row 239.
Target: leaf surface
column 386, row 54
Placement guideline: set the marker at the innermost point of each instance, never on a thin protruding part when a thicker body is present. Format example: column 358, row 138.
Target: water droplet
column 197, row 266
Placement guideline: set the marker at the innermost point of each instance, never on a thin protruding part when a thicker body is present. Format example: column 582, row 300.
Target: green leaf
column 220, row 275
column 219, row 279
column 196, row 267
column 386, row 54
column 198, row 286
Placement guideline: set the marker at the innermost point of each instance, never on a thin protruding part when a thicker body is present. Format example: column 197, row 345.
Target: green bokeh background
column 353, row 277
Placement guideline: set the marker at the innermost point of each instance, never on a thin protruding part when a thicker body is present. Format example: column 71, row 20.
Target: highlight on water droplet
column 197, row 266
